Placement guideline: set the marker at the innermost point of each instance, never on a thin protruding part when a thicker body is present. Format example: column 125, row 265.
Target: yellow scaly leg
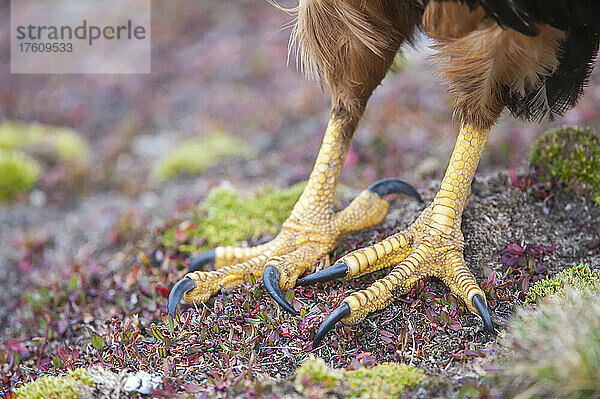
column 313, row 229
column 431, row 246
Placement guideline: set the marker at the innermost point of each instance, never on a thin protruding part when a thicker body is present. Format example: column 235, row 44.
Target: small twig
column 412, row 353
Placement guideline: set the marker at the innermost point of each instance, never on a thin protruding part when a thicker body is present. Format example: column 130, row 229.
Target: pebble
column 141, row 382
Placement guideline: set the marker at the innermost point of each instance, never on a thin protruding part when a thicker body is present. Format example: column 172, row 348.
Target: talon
column 394, row 186
column 339, row 270
column 482, row 309
column 201, row 260
column 271, row 281
column 342, row 311
column 182, row 286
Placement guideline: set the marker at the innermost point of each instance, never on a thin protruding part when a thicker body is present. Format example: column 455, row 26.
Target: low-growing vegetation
column 56, row 158
column 18, row 174
column 110, row 311
column 194, row 156
column 555, row 349
column 580, row 277
column 55, row 143
column 51, row 387
column 387, row 380
column 571, row 155
column 227, row 218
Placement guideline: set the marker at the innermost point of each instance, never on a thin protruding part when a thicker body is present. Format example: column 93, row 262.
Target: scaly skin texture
column 312, row 231
column 431, row 246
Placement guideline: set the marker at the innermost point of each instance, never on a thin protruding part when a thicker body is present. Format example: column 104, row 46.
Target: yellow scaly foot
column 431, row 246
column 313, row 230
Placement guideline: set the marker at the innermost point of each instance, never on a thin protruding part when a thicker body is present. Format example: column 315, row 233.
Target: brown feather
column 451, row 20
column 350, row 45
column 488, row 61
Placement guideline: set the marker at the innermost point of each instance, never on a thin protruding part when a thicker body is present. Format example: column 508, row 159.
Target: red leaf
column 513, row 177
column 180, row 236
column 162, row 290
column 15, row 346
column 515, row 249
column 593, row 244
column 113, row 236
column 62, row 353
column 454, row 325
column 492, row 277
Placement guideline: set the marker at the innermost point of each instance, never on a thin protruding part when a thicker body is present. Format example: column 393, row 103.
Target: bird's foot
column 431, row 246
column 310, row 233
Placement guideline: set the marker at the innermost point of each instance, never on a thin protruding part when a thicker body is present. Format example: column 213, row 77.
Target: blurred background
column 221, row 104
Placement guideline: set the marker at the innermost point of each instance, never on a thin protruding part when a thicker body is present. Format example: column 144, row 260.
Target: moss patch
column 62, row 143
column 571, row 155
column 579, row 277
column 556, row 351
column 229, row 218
column 385, row 380
column 192, row 157
column 26, row 146
column 65, row 387
column 18, row 174
column 314, row 374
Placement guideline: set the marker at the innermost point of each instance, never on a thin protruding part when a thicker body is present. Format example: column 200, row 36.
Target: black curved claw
column 394, row 186
column 342, row 311
column 201, row 260
column 271, row 280
column 182, row 286
column 482, row 309
column 338, row 270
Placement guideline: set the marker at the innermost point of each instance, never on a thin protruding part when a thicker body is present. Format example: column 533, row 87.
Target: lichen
column 18, row 174
column 229, row 218
column 580, row 277
column 555, row 349
column 385, row 380
column 194, row 156
column 571, row 155
column 50, row 387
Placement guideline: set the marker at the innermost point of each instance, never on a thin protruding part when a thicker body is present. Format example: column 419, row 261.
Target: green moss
column 64, row 387
column 579, row 277
column 314, row 373
column 385, row 380
column 555, row 351
column 193, row 156
column 63, row 143
column 18, row 174
column 571, row 155
column 69, row 145
column 229, row 218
